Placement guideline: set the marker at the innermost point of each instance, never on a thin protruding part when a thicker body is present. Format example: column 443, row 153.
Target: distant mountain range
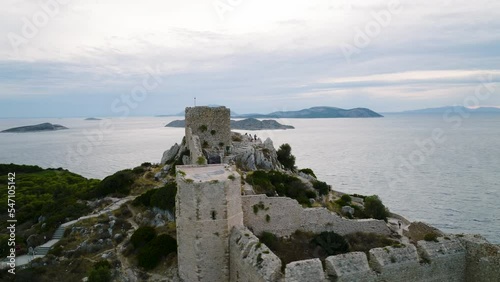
column 315, row 112
column 319, row 112
column 456, row 109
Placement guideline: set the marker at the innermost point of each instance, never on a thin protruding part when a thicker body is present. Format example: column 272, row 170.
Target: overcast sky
column 127, row 57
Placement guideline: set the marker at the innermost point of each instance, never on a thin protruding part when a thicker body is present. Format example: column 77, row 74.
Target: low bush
column 332, row 243
column 117, row 184
column 321, row 187
column 142, row 236
column 431, row 237
column 374, row 208
column 308, row 171
column 364, row 242
column 269, row 239
column 101, row 272
column 274, row 182
column 163, row 198
column 151, row 254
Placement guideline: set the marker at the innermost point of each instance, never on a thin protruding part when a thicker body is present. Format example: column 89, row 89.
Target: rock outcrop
column 170, row 154
column 253, row 155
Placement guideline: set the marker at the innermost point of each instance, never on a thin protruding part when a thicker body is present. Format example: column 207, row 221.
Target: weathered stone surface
column 483, row 259
column 347, row 210
column 381, row 258
column 288, row 216
column 349, row 267
column 305, row 270
column 170, row 154
column 251, row 260
column 418, row 230
column 251, row 155
column 211, row 125
column 208, row 205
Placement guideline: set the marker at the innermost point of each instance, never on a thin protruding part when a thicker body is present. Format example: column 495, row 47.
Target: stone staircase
column 59, row 233
column 43, row 250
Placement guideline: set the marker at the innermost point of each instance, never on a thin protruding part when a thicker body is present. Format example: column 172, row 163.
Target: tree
column 375, row 209
column 285, row 156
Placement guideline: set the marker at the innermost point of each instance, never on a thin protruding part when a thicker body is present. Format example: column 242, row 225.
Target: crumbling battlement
column 283, row 216
column 251, row 261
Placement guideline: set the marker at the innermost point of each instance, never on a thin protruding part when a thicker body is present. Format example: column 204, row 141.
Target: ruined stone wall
column 283, row 216
column 211, row 125
column 208, row 205
column 251, row 261
column 483, row 259
column 431, row 261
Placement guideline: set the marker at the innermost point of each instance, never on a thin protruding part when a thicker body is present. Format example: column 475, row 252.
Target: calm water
column 451, row 181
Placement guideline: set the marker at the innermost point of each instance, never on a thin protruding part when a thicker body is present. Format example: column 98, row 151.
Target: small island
column 245, row 124
column 92, row 118
column 33, row 128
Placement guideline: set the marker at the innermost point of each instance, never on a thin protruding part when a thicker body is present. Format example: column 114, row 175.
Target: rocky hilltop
column 32, row 128
column 245, row 124
column 319, row 112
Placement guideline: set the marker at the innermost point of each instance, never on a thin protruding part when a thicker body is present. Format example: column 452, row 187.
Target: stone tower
column 208, row 205
column 211, row 124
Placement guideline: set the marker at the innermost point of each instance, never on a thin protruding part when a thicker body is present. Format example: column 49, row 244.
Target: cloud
column 263, row 55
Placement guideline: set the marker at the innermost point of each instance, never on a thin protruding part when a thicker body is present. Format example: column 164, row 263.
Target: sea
column 443, row 170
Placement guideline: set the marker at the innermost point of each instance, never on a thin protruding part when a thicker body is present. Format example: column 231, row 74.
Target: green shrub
column 332, row 243
column 144, row 199
column 285, row 156
column 142, row 236
column 321, row 187
column 364, row 242
column 275, row 182
column 308, row 171
column 200, row 160
column 151, row 254
column 269, row 239
column 101, row 272
column 431, row 237
column 374, row 208
column 205, row 144
column 164, row 198
column 203, row 128
column 118, row 183
column 346, row 198
column 213, row 132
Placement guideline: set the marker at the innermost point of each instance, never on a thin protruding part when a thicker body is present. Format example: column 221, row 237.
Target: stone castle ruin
column 217, row 226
